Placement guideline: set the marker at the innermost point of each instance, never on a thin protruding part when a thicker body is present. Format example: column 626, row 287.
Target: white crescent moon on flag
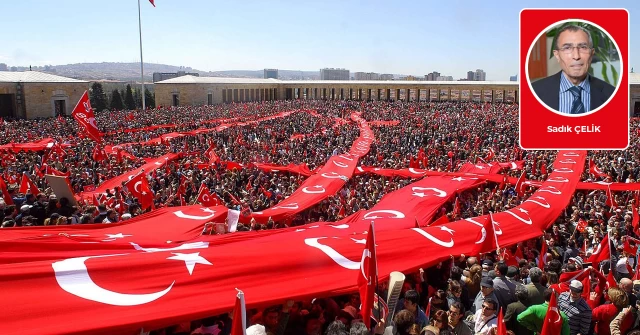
column 412, row 170
column 332, row 253
column 397, row 214
column 182, row 215
column 340, row 164
column 439, row 193
column 483, row 231
column 433, row 239
column 72, row 276
column 319, row 189
column 135, row 186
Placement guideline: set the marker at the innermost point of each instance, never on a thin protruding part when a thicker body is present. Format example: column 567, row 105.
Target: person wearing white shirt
column 486, row 318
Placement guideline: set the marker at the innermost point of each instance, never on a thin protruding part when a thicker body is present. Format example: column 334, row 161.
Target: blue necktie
column 577, row 107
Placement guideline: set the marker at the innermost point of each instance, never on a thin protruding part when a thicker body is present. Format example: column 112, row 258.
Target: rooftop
column 634, row 78
column 34, row 77
column 224, row 80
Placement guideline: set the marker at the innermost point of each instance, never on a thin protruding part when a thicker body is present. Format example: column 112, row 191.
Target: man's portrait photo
column 580, row 71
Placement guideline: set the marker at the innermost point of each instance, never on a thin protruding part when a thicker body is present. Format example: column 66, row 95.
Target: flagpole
column 141, row 62
column 374, row 248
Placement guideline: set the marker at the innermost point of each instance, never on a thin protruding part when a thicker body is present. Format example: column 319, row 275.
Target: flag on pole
column 152, row 2
column 83, row 113
column 542, row 258
column 552, row 324
column 368, row 274
column 520, row 185
column 239, row 323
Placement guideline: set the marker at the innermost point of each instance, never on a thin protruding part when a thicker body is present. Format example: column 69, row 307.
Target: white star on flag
column 458, row 179
column 118, row 235
column 190, row 260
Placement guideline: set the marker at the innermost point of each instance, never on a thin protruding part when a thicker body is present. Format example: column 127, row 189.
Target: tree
column 116, row 100
column 137, row 97
column 97, row 98
column 128, row 99
column 149, row 99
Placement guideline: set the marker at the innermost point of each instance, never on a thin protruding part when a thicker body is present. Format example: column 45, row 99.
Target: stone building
column 32, row 94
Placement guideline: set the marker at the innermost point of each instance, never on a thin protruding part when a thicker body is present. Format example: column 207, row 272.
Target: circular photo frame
column 570, row 53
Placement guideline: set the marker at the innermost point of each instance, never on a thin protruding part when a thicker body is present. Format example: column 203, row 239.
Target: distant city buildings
column 433, row 76
column 386, row 76
column 471, row 75
column 444, row 78
column 366, row 76
column 513, row 78
column 270, row 73
column 334, row 74
column 479, row 75
column 3, row 67
column 160, row 76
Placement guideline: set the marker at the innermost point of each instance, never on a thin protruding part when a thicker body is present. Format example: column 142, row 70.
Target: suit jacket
column 548, row 90
column 510, row 318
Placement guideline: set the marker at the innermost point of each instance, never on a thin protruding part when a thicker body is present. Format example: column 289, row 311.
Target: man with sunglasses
column 486, row 318
column 572, row 90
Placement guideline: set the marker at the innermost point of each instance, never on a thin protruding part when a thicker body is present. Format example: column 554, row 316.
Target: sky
column 407, row 37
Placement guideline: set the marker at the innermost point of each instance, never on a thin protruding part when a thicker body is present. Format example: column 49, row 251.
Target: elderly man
column 535, row 289
column 573, row 90
column 577, row 310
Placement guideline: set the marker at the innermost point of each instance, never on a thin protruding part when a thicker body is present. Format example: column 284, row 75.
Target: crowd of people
column 463, row 295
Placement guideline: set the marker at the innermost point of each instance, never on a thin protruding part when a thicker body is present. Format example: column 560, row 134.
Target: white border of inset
column 617, row 86
column 622, row 59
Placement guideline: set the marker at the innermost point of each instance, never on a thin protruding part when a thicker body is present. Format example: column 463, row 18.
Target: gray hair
column 535, row 274
column 358, row 328
column 573, row 28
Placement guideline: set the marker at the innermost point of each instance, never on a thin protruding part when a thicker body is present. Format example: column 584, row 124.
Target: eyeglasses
column 582, row 48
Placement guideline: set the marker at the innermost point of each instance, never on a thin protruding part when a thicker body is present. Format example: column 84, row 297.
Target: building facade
column 471, row 75
column 31, row 94
column 386, row 76
column 433, row 76
column 270, row 73
column 160, row 76
column 366, row 76
column 214, row 90
column 480, row 75
column 334, row 74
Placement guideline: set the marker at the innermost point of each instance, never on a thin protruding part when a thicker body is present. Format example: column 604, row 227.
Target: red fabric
column 487, row 237
column 26, row 184
column 327, row 255
column 594, row 170
column 520, row 185
column 152, row 2
column 515, row 165
column 602, row 316
column 83, row 113
column 45, row 143
column 611, row 202
column 611, row 281
column 552, row 324
column 601, row 253
column 5, row 193
column 368, row 275
column 543, row 168
column 239, row 322
column 97, row 154
column 205, row 198
column 582, row 225
column 502, row 327
column 542, row 258
column 139, row 188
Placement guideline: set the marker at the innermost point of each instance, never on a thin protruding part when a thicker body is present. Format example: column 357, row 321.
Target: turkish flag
column 542, row 258
column 152, row 2
column 552, row 324
column 5, row 192
column 239, row 322
column 98, row 154
column 139, row 188
column 205, row 198
column 601, row 253
column 368, row 275
column 27, row 184
column 520, row 185
column 83, row 113
column 582, row 225
column 502, row 327
column 611, row 202
column 631, row 249
column 456, row 206
column 487, row 239
column 543, row 168
column 611, row 280
column 594, row 170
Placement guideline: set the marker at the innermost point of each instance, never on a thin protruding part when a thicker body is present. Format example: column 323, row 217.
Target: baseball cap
column 487, row 262
column 576, row 286
column 486, row 282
